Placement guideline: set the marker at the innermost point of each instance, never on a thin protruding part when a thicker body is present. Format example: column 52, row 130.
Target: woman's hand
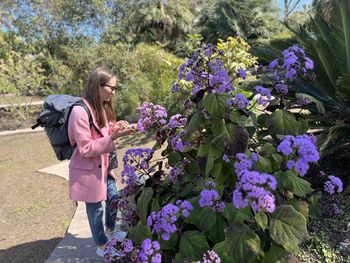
column 120, row 129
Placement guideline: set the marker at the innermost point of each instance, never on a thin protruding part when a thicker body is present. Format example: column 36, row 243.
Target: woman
column 89, row 178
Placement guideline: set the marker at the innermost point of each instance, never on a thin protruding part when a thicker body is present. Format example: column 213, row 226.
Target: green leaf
column 275, row 255
column 217, row 231
column 207, row 218
column 264, row 165
column 301, row 206
column 282, row 122
column 213, row 154
column 233, row 138
column 223, row 251
column 217, row 169
column 215, row 104
column 194, row 216
column 236, row 215
column 262, row 220
column 139, row 233
column 196, row 122
column 292, row 182
column 288, row 227
column 174, row 158
column 267, row 149
column 193, row 244
column 244, row 244
column 171, row 243
column 179, row 258
column 142, row 204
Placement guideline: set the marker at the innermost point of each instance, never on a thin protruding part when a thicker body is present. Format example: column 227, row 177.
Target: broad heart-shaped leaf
column 275, row 255
column 261, row 219
column 207, row 154
column 193, row 244
column 288, row 227
column 282, row 122
column 292, row 182
column 174, row 158
column 236, row 215
column 171, row 243
column 213, row 154
column 196, row 122
column 217, row 232
column 139, row 233
column 215, row 104
column 243, row 243
column 223, row 251
column 142, row 204
column 207, row 218
column 232, row 136
column 194, row 216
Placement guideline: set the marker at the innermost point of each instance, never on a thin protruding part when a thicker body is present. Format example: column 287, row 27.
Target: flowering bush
column 234, row 187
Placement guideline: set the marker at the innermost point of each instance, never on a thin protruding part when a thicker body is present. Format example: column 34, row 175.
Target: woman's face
column 108, row 89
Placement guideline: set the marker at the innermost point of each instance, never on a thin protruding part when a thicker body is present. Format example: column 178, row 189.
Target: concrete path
column 77, row 245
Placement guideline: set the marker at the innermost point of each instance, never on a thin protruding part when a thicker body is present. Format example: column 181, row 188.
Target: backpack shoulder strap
column 91, row 122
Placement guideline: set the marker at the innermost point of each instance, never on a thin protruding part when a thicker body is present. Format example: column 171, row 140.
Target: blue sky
column 302, row 2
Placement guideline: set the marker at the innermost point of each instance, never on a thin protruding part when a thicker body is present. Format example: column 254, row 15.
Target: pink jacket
column 89, row 162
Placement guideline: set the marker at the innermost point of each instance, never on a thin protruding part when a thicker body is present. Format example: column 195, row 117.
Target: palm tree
column 165, row 22
column 249, row 19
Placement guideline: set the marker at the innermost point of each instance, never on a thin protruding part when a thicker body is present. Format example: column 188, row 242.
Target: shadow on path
column 27, row 252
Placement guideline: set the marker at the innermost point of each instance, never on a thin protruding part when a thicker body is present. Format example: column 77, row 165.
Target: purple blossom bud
column 281, row 88
column 303, row 101
column 242, row 73
column 334, row 184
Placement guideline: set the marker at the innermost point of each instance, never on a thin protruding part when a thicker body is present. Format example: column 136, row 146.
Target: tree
column 249, row 19
column 165, row 22
column 49, row 24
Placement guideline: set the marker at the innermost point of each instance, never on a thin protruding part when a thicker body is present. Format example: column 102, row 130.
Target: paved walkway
column 77, row 245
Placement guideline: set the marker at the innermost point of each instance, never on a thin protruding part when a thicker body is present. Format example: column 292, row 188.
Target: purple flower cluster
column 149, row 251
column 177, row 120
column 252, row 188
column 334, row 184
column 185, row 207
column 303, row 101
column 127, row 209
column 264, row 95
column 240, row 101
column 206, row 72
column 163, row 223
column 303, row 148
column 115, row 251
column 151, row 114
column 136, row 164
column 243, row 162
column 209, row 198
column 179, row 144
column 175, row 174
column 127, row 252
column 242, row 73
column 294, row 61
column 210, row 257
column 281, row 88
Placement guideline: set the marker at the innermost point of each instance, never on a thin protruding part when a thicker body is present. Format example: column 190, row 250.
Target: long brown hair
column 104, row 110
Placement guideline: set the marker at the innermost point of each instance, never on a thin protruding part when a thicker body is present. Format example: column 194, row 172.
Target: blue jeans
column 95, row 212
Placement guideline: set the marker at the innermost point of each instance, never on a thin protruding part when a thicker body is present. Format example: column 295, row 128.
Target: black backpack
column 54, row 119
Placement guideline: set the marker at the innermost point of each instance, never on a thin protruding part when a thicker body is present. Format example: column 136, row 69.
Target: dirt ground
column 35, row 209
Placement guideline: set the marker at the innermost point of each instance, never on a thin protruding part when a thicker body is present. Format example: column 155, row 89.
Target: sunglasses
column 113, row 88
